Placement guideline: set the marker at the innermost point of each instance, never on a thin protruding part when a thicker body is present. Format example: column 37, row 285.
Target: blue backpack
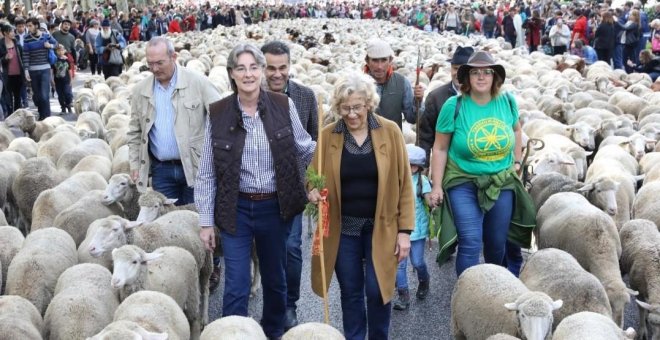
column 52, row 57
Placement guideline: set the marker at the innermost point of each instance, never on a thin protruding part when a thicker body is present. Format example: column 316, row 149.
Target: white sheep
column 95, row 163
column 35, row 175
column 84, row 256
column 640, row 259
column 120, row 163
column 83, row 305
column 147, row 315
column 51, row 202
column 19, row 319
column 591, row 326
column 169, row 270
column 635, row 145
column 179, row 228
column 557, row 273
column 92, row 146
column 233, row 327
column 473, row 317
column 76, row 218
column 90, row 125
column 553, row 160
column 502, row 336
column 122, row 189
column 115, row 107
column 33, row 272
column 153, row 204
column 567, row 221
column 581, row 133
column 10, row 165
column 11, row 241
column 313, row 331
column 577, row 153
column 25, row 146
column 59, row 143
column 26, row 121
column 647, row 203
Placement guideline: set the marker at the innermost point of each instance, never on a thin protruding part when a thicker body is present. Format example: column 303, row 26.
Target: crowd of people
column 94, row 37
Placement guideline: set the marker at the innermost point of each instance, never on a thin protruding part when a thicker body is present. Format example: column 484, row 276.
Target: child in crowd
column 422, row 188
column 62, row 74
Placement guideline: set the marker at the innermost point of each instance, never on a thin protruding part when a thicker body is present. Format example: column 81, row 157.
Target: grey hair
column 155, row 41
column 232, row 59
column 355, row 83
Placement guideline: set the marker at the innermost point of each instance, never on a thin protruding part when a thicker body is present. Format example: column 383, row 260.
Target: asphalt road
column 428, row 319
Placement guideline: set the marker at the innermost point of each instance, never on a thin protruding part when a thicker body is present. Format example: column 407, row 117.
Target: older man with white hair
column 107, row 42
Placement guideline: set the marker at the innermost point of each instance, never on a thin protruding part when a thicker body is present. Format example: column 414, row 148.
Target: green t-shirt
column 483, row 140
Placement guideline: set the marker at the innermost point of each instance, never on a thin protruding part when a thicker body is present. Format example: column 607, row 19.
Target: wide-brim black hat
column 479, row 59
column 461, row 55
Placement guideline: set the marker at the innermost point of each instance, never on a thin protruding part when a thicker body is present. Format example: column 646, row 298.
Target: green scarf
column 523, row 219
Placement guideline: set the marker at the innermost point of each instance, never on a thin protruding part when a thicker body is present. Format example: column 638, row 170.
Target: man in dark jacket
column 436, row 98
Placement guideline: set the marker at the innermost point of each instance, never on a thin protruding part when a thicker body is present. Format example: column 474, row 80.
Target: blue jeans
column 40, row 81
column 617, row 57
column 294, row 262
column 64, row 92
column 489, row 34
column 477, row 229
column 417, row 260
column 258, row 220
column 513, row 259
column 170, row 180
column 357, row 277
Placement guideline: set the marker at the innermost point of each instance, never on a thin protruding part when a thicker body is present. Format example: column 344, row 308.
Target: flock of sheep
column 101, row 261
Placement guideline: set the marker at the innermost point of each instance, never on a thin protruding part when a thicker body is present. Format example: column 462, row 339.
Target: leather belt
column 169, row 161
column 258, row 197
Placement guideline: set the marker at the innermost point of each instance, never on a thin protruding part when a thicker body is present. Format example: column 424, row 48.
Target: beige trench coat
column 395, row 206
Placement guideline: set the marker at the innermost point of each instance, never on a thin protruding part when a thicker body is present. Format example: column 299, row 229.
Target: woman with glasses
column 476, row 154
column 250, row 184
column 11, row 55
column 372, row 209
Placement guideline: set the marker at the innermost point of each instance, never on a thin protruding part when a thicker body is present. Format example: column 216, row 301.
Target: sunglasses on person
column 482, row 72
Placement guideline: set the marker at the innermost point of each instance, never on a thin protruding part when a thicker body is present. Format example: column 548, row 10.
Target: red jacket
column 135, row 33
column 580, row 26
column 534, row 27
column 190, row 23
column 174, row 27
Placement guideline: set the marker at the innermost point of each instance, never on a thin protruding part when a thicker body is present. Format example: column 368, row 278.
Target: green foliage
column 316, row 181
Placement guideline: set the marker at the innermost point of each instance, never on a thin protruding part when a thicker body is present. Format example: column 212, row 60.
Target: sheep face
column 553, row 161
column 534, row 314
column 582, row 134
column 22, row 119
column 602, row 194
column 152, row 205
column 128, row 262
column 119, row 186
column 110, row 234
column 619, row 296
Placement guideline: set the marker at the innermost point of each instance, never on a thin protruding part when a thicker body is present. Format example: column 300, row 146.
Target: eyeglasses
column 242, row 70
column 348, row 109
column 486, row 72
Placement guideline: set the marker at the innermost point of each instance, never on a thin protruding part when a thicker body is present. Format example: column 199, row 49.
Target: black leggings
column 604, row 54
column 93, row 62
column 13, row 89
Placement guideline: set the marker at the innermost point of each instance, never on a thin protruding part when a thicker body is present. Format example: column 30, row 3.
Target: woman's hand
column 314, row 196
column 437, row 197
column 402, row 246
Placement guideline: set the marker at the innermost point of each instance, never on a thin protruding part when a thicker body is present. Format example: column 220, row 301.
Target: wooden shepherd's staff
column 320, row 224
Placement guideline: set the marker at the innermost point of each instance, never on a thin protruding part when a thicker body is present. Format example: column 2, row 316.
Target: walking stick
column 417, row 101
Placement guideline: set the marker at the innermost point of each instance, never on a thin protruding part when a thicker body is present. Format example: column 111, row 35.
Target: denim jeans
column 40, row 81
column 417, row 260
column 258, row 220
column 489, row 34
column 170, row 180
column 356, row 278
column 617, row 57
column 476, row 229
column 294, row 262
column 64, row 92
column 513, row 259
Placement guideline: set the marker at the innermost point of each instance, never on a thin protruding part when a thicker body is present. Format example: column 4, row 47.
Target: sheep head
column 153, row 205
column 653, row 318
column 534, row 315
column 22, row 119
column 602, row 194
column 619, row 295
column 110, row 234
column 128, row 262
column 119, row 189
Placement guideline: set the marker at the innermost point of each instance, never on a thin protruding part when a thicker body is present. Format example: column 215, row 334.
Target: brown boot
column 402, row 301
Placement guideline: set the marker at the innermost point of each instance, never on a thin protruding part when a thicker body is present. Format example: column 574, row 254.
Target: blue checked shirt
column 257, row 173
column 162, row 140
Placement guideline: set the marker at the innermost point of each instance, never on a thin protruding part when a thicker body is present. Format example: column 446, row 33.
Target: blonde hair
column 354, row 83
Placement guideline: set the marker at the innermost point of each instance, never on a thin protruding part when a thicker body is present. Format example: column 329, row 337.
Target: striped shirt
column 257, row 173
column 35, row 55
column 162, row 140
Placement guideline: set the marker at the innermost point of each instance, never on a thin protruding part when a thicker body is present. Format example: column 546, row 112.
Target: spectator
column 62, row 74
column 11, row 54
column 534, row 26
column 586, row 52
column 174, row 26
column 580, row 27
column 106, row 41
column 560, row 36
column 90, row 41
column 605, row 38
column 648, row 63
column 36, row 48
column 489, row 23
column 66, row 39
column 452, row 20
column 629, row 36
column 126, row 26
column 509, row 28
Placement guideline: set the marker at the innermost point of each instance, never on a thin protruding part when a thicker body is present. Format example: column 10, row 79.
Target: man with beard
column 37, row 66
column 109, row 39
column 65, row 38
column 278, row 62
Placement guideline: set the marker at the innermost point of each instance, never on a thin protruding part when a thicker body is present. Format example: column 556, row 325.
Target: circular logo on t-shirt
column 489, row 140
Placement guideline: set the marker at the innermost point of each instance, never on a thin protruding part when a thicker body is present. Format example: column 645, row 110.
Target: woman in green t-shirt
column 478, row 139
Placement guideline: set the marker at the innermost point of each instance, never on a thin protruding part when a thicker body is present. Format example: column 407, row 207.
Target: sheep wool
column 233, row 327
